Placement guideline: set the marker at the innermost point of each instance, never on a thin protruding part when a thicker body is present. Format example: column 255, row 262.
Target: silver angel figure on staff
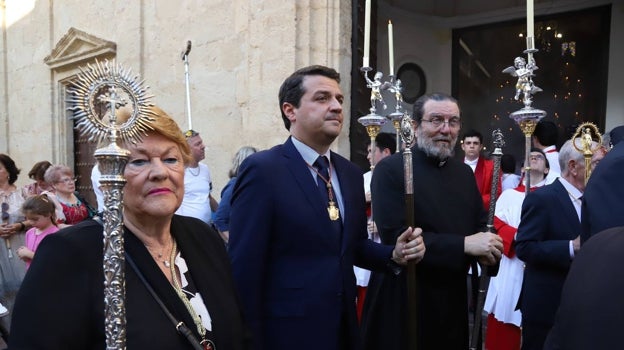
column 524, row 85
column 376, row 86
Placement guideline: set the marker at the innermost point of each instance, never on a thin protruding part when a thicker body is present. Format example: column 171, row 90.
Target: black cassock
column 447, row 206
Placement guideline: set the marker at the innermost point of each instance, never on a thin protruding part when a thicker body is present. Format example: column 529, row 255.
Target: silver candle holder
column 397, row 116
column 373, row 121
column 527, row 117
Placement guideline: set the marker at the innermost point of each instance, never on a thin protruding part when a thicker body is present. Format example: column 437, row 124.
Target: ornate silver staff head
column 586, row 147
column 99, row 92
column 498, row 142
column 407, row 131
column 108, row 102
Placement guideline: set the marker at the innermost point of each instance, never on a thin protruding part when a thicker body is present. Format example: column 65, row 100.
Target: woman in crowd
column 11, row 197
column 37, row 174
column 222, row 216
column 179, row 257
column 11, row 200
column 74, row 208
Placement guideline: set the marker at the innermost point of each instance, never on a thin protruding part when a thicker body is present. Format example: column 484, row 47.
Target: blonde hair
column 165, row 126
column 242, row 153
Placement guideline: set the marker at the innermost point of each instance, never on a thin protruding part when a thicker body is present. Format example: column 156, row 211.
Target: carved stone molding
column 76, row 47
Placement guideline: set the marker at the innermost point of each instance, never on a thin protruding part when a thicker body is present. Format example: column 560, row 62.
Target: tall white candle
column 530, row 25
column 367, row 15
column 391, row 48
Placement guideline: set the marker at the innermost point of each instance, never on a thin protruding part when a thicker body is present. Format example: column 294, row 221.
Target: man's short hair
column 473, row 133
column 546, row 132
column 420, row 103
column 292, row 90
column 385, row 140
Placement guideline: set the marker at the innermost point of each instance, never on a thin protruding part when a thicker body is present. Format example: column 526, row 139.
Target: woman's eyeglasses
column 67, row 180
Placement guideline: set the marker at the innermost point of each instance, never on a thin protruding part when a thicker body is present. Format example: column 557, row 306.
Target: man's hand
column 409, row 246
column 372, row 228
column 488, row 247
column 576, row 244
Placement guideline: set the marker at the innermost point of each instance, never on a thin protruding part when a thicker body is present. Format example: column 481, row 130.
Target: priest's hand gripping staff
column 484, row 279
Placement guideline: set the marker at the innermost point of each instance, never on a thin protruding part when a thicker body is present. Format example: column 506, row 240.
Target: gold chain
column 176, row 285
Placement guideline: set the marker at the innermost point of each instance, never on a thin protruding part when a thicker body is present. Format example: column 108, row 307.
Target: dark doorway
column 573, row 69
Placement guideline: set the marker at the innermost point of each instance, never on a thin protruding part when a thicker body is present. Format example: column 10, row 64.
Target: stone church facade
column 241, row 52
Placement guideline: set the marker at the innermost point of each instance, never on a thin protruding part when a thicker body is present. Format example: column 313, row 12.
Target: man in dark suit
column 548, row 237
column 603, row 207
column 296, row 231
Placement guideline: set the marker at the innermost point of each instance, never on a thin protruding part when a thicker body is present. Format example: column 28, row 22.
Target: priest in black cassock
column 448, row 208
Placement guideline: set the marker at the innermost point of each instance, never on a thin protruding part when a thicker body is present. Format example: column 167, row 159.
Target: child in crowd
column 39, row 212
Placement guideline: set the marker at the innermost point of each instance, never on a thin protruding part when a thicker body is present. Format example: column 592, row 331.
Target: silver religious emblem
column 108, row 102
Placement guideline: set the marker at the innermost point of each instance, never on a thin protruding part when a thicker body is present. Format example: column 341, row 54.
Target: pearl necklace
column 159, row 256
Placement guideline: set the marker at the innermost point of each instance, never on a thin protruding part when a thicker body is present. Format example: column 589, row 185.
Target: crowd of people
column 272, row 266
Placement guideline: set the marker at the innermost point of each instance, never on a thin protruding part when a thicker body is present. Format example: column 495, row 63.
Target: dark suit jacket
column 60, row 304
column 603, row 204
column 294, row 274
column 591, row 314
column 548, row 222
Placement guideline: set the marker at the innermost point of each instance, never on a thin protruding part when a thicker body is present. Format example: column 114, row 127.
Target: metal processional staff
column 108, row 87
column 484, row 278
column 403, row 126
column 185, row 58
column 527, row 117
column 586, row 146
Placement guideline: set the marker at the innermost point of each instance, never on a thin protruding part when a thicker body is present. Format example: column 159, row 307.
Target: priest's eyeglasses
column 453, row 123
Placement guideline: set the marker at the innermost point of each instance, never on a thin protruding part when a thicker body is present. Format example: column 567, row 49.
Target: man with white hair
column 548, row 238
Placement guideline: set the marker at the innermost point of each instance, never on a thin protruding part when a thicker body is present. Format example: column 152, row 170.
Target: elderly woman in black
column 61, row 302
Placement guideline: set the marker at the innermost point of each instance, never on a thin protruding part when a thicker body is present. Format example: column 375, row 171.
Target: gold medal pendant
column 334, row 213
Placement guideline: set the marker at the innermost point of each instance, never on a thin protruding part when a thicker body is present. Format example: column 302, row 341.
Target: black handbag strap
column 179, row 325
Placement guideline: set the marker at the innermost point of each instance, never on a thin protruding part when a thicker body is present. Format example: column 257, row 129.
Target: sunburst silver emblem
column 98, row 95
